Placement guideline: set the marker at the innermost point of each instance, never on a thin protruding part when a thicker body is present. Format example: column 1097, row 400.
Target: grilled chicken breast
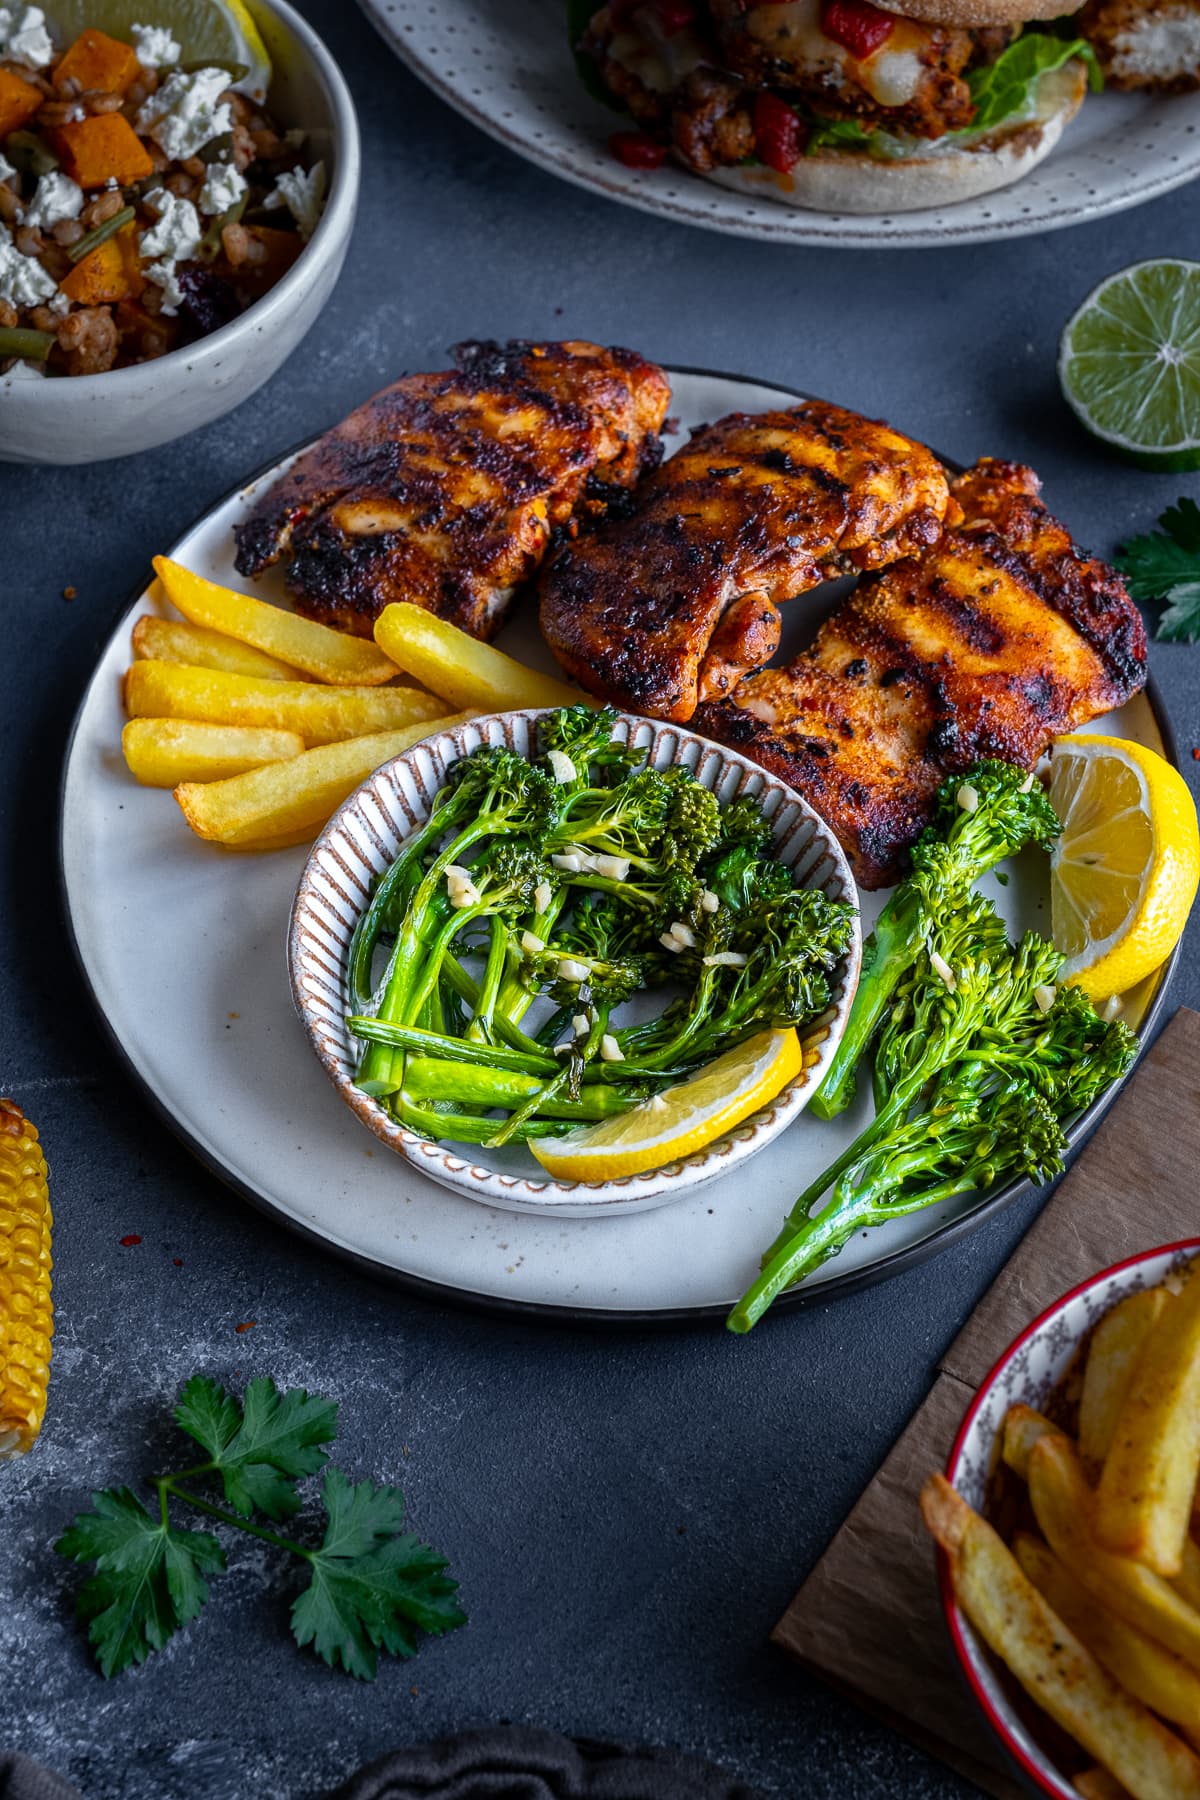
column 445, row 489
column 672, row 604
column 992, row 643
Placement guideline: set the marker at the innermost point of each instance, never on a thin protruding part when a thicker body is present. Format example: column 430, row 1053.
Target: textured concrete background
column 628, row 1514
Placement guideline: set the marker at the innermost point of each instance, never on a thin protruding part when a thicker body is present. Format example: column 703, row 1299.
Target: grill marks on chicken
column 445, row 489
column 672, row 604
column 993, row 643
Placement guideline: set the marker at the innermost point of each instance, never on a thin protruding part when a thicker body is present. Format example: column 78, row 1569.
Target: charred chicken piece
column 991, row 644
column 674, row 603
column 445, row 489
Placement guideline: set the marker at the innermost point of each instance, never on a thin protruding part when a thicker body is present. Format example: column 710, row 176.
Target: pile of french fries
column 1097, row 1611
column 263, row 722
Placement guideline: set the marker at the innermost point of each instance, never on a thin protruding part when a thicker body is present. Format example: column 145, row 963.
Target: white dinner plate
column 509, row 69
column 183, row 946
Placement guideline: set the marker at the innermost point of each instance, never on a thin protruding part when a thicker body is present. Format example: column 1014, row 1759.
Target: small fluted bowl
column 361, row 840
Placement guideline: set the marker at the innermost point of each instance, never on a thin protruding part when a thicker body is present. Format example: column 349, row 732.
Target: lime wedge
column 220, row 32
column 1129, row 363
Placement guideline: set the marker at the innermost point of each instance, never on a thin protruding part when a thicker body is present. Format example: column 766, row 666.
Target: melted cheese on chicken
column 891, row 75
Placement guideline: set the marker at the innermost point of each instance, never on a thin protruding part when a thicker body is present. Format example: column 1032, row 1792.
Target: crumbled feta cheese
column 7, row 172
column 175, row 234
column 155, row 47
column 709, row 902
column 683, row 935
column 581, row 1025
column 23, row 281
column 615, row 868
column 25, row 371
column 942, row 970
column 531, row 944
column 1045, row 996
column 570, row 970
column 610, row 1050
column 304, row 196
column 968, row 797
column 165, row 275
column 570, row 862
column 725, row 959
column 60, row 304
column 543, row 894
column 224, row 188
column 562, row 767
column 57, row 198
column 26, row 39
column 185, row 112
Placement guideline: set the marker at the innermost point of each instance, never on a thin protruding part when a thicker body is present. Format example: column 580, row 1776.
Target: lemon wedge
column 684, row 1118
column 221, row 32
column 1123, row 874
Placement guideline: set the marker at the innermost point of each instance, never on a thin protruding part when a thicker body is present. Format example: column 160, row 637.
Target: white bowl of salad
column 177, row 192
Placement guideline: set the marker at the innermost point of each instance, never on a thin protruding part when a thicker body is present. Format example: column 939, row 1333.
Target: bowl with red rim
column 1026, row 1374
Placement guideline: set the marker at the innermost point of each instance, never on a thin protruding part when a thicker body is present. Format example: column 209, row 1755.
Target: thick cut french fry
column 1063, row 1506
column 1112, row 1356
column 1022, row 1429
column 1098, row 1784
column 461, row 669
column 327, row 655
column 1144, row 1499
column 1187, row 1582
column 163, row 752
column 175, row 641
column 1048, row 1660
column 289, row 798
column 321, row 715
column 1144, row 1669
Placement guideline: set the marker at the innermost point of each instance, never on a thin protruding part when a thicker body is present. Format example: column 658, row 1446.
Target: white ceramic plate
column 509, row 69
column 183, row 946
column 361, row 840
column 1025, row 1375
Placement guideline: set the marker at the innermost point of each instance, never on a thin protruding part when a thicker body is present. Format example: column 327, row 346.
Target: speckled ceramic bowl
column 1025, row 1375
column 361, row 840
column 90, row 418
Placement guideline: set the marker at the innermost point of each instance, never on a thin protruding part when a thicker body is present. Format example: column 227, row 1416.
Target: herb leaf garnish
column 1164, row 566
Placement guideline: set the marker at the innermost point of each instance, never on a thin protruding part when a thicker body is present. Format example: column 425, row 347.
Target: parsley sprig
column 1164, row 566
column 372, row 1585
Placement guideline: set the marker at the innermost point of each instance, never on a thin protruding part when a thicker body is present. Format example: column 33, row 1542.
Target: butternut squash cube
column 19, row 100
column 110, row 272
column 99, row 63
column 102, row 148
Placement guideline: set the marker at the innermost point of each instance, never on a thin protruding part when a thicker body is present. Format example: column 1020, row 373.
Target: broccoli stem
column 465, row 1128
column 435, row 1078
column 467, row 988
column 429, row 1043
column 898, row 935
column 480, row 1027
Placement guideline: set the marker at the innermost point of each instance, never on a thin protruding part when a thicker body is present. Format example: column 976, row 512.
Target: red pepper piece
column 674, row 15
column 637, row 150
column 132, row 1239
column 778, row 133
column 857, row 25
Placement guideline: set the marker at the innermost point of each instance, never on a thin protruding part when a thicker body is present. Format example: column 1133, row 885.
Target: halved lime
column 1129, row 363
column 220, row 32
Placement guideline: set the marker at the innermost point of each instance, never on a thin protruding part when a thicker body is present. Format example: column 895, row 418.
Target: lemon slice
column 1123, row 874
column 207, row 31
column 683, row 1119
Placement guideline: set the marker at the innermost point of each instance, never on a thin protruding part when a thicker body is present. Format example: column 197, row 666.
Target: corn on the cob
column 26, row 1313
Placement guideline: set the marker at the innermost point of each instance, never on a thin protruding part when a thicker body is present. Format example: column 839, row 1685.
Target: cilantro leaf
column 373, row 1585
column 1164, row 566
column 149, row 1578
column 1007, row 88
column 263, row 1446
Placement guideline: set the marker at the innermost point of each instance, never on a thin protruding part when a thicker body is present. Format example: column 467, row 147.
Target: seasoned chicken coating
column 672, row 604
column 1145, row 45
column 445, row 489
column 994, row 642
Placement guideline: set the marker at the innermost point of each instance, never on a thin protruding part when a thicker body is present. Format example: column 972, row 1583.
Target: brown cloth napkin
column 869, row 1617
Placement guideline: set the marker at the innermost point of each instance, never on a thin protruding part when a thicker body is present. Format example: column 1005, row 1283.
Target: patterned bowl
column 362, row 838
column 1025, row 1374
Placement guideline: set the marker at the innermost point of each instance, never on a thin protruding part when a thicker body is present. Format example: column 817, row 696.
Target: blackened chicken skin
column 445, row 489
column 673, row 604
column 993, row 643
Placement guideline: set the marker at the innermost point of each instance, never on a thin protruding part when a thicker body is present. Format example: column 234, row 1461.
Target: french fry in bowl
column 321, row 715
column 461, row 669
column 321, row 652
column 1048, row 1660
column 1112, row 1357
column 1098, row 1784
column 163, row 752
column 292, row 799
column 174, row 640
column 1144, row 1501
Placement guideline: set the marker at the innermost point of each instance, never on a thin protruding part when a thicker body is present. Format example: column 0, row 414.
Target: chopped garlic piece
column 709, row 902
column 1045, row 996
column 683, row 935
column 460, row 889
column 570, row 970
column 968, row 797
column 1111, row 1008
column 543, row 894
column 531, row 944
column 669, row 941
column 725, row 959
column 942, row 970
column 563, row 768
column 655, row 1105
column 581, row 1024
column 610, row 1050
column 562, row 1048
column 570, row 862
column 1026, row 786
column 616, row 868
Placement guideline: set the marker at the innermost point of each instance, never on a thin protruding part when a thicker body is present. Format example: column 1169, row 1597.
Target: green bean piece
column 209, row 247
column 99, row 234
column 35, row 346
column 219, row 149
column 26, row 151
column 234, row 70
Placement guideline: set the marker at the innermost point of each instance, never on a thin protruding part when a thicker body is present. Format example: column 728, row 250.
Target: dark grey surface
column 628, row 1514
